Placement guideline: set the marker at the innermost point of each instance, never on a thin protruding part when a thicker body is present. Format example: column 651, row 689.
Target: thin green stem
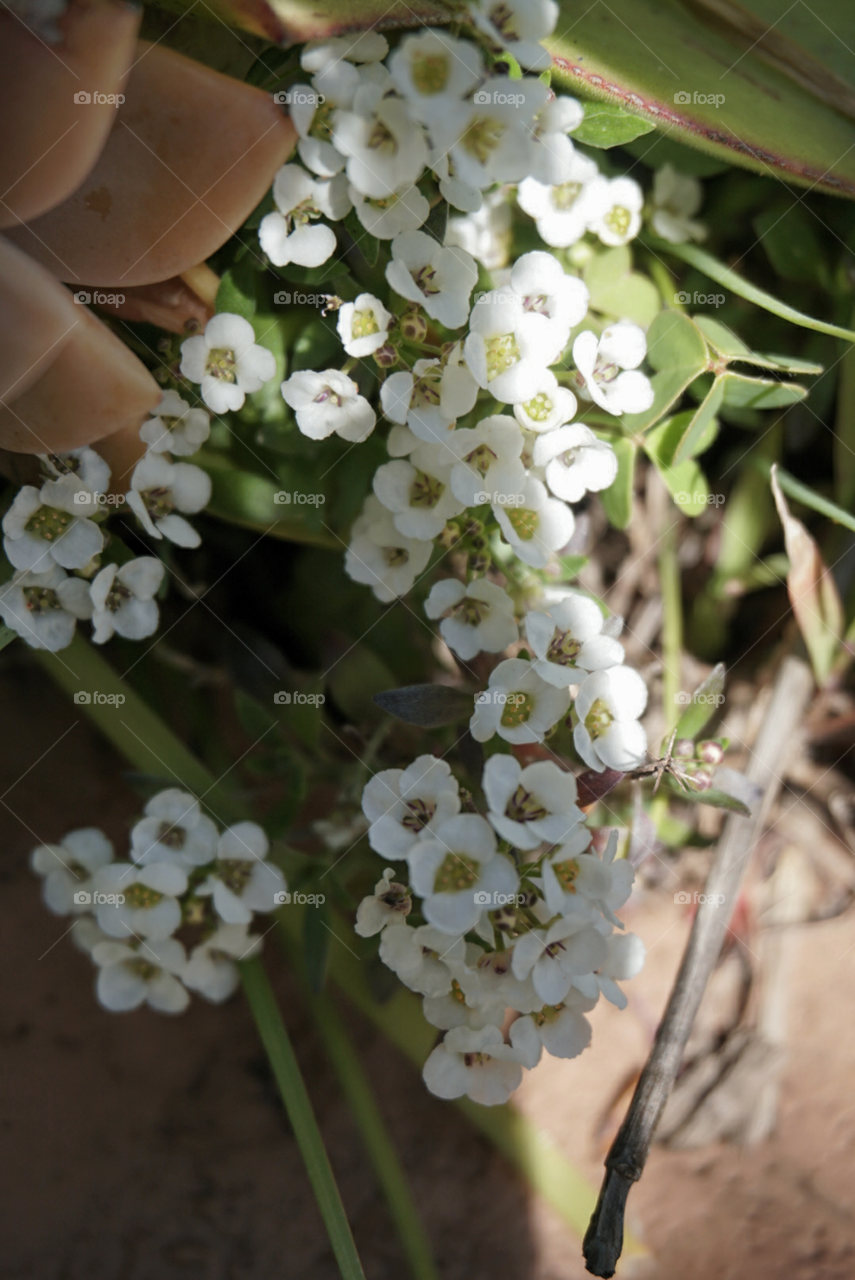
column 672, row 627
column 286, row 1069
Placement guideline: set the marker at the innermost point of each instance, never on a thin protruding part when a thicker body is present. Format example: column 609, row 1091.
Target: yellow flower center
column 517, row 710
column 502, row 354
column 455, row 873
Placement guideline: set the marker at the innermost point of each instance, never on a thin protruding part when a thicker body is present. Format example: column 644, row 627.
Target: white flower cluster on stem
column 176, row 916
column 505, row 924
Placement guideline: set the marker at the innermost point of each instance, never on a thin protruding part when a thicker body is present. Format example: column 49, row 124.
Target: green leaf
column 617, row 499
column 256, row 721
column 236, row 293
column 367, row 244
column 728, row 344
column 316, row 945
column 7, row 635
column 703, row 703
column 355, row 679
column 608, row 125
column 788, row 235
column 728, row 278
column 795, row 489
column 436, row 224
column 663, row 62
column 661, row 443
column 717, row 799
column 676, row 349
column 616, row 290
column 247, row 499
column 699, row 423
column 606, row 268
column 334, row 266
column 760, row 393
column 427, row 705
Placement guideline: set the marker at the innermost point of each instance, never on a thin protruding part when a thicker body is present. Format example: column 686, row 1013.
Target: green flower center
column 517, row 710
column 425, row 391
column 566, row 873
column 171, row 836
column 524, row 522
column 141, row 896
column 380, row 139
column 482, row 137
column 116, row 596
column 430, row 72
column 524, row 807
column 502, row 354
column 424, row 280
column 364, row 324
column 158, row 502
column 618, row 220
column 235, row 873
column 481, row 458
column 396, row 556
column 221, row 364
column 565, row 195
column 321, row 127
column 548, row 1013
column 455, row 873
column 143, row 968
column 470, row 611
column 425, row 491
column 41, row 600
column 539, row 408
column 476, row 1059
column 456, row 992
column 598, row 719
column 563, row 649
column 49, row 523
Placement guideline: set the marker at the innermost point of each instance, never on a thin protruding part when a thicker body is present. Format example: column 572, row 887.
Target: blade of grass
column 794, row 488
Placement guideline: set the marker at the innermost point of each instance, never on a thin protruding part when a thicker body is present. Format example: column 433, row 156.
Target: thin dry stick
column 628, row 1154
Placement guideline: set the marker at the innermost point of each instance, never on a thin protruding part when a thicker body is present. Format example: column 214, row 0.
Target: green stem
column 794, row 488
column 286, row 1069
column 672, row 627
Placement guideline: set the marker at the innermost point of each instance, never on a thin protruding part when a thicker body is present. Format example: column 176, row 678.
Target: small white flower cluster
column 505, row 924
column 183, row 877
column 163, row 492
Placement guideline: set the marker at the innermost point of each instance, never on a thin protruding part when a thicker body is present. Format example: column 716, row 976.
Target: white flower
column 420, row 957
column 555, row 956
column 489, row 467
column 403, row 805
column 146, row 974
column 211, row 969
column 486, row 138
column 400, row 440
column 380, row 557
column 559, row 301
column 456, row 872
column 618, row 218
column 68, row 869
column 89, row 467
column 550, row 406
column 174, row 829
column 624, row 959
column 485, row 233
column 676, row 199
column 561, row 1029
column 363, row 325
column 417, row 491
column 518, row 26
column 551, row 153
column 454, row 1010
column 159, row 489
column 43, row 608
column 386, row 149
column 328, row 402
column 311, row 111
column 139, row 901
column 49, row 526
column 389, row 904
column 293, row 234
column 600, row 366
column 517, row 704
column 528, row 806
column 227, row 361
column 568, row 641
column 504, row 347
column 608, row 735
column 241, row 881
column 175, row 427
column 538, row 527
column 562, row 212
column 475, row 618
column 387, row 216
column 430, row 69
column 415, row 398
column 474, row 1063
column 575, row 881
column 438, row 279
column 576, row 462
column 123, row 599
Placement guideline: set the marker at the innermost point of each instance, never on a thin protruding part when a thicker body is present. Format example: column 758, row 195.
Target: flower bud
column 413, row 326
column 684, row 748
column 386, row 356
column 710, row 751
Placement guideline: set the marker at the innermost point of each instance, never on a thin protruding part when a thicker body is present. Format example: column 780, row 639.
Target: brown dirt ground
column 142, row 1148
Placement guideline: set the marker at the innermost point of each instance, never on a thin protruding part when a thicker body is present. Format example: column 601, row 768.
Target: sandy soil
column 142, row 1148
